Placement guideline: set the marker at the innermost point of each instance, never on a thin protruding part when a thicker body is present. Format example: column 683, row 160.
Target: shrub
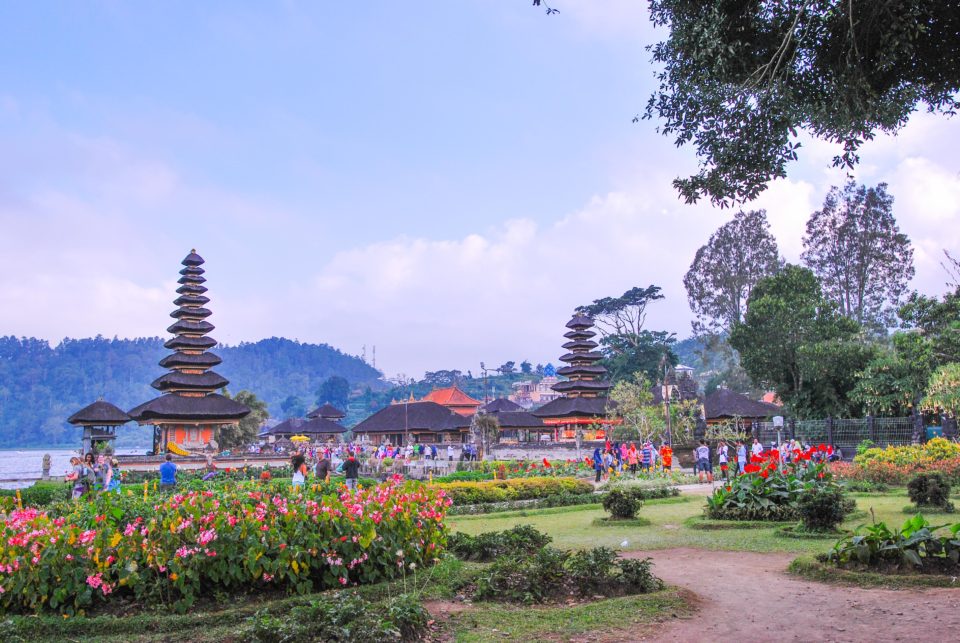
column 933, row 450
column 346, row 617
column 914, row 543
column 930, row 490
column 822, row 509
column 621, row 504
column 465, row 476
column 469, row 493
column 41, row 493
column 561, row 500
column 522, row 539
column 185, row 545
column 551, row 574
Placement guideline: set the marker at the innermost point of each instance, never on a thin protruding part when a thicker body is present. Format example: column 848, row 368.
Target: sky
column 445, row 181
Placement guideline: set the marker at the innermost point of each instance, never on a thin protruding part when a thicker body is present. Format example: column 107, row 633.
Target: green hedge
column 472, row 493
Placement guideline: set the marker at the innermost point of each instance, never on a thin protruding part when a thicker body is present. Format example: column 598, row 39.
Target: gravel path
column 748, row 596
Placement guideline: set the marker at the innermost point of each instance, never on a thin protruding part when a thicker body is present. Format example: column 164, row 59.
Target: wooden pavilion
column 414, row 422
column 99, row 421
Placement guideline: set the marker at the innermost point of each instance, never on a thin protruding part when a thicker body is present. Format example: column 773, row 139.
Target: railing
column 840, row 432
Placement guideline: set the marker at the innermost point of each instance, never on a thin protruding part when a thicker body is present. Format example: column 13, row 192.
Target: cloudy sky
column 444, row 180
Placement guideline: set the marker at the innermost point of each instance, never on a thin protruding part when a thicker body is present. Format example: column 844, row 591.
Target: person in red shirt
column 666, row 456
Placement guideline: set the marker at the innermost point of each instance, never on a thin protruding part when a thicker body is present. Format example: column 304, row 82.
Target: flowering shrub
column 469, row 493
column 922, row 455
column 891, row 473
column 770, row 489
column 188, row 544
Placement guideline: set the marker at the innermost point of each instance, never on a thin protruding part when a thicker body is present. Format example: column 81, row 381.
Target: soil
column 749, row 597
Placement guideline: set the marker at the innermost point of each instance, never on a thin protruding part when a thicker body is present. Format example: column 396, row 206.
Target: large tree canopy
column 856, row 249
column 793, row 341
column 725, row 270
column 740, row 78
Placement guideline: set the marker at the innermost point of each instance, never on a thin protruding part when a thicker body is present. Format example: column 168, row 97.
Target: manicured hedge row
column 471, row 493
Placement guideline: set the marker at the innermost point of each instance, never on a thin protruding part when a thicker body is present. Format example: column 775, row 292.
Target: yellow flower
column 116, row 539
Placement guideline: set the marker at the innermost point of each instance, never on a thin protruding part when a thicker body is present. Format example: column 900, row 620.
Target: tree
column 232, row 436
column 334, row 390
column 639, row 418
column 624, row 315
column 485, row 429
column 293, row 407
column 644, row 353
column 887, row 386
column 943, row 391
column 507, row 368
column 856, row 249
column 793, row 341
column 526, row 367
column 724, row 271
column 740, row 79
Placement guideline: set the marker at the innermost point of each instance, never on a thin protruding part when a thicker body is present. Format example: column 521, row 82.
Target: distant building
column 529, row 394
column 723, row 405
column 414, row 422
column 453, row 398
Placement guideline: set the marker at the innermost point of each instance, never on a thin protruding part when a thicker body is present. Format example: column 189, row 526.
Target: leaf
column 913, row 557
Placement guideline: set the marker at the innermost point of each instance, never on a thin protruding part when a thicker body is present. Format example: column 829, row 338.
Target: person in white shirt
column 704, row 464
column 757, row 448
column 450, row 452
column 722, row 457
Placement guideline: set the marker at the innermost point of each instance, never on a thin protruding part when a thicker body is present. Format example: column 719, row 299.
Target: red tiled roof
column 450, row 396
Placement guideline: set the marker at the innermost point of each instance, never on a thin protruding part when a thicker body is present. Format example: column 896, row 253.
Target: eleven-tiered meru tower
column 584, row 402
column 189, row 412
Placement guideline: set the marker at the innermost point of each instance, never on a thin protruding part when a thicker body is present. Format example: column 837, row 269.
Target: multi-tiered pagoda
column 189, row 412
column 584, row 392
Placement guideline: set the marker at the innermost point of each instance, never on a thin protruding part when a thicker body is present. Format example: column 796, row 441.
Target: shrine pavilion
column 188, row 413
column 515, row 422
column 414, row 422
column 584, row 400
column 99, row 421
column 327, row 412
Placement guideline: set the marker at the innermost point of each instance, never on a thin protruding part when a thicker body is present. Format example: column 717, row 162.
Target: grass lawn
column 572, row 527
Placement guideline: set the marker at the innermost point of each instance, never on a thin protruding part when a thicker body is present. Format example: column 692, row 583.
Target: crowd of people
column 92, row 474
column 619, row 458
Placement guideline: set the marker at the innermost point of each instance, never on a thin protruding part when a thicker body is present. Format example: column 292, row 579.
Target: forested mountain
column 42, row 385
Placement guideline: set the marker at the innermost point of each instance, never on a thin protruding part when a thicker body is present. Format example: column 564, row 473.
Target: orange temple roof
column 454, row 399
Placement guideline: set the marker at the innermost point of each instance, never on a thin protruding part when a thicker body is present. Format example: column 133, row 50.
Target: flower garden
column 177, row 548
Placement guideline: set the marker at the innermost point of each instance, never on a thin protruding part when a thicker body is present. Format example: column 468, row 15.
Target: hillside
column 41, row 385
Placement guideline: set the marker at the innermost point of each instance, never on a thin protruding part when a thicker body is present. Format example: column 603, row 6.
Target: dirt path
column 749, row 597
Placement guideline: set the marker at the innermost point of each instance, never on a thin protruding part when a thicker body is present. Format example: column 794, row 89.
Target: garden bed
column 797, row 531
column 862, row 576
column 610, row 521
column 702, row 522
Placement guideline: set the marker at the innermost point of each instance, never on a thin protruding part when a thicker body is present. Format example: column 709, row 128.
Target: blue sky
column 446, row 180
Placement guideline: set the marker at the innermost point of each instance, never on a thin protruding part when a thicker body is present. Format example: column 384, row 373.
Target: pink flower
column 95, row 581
column 343, row 581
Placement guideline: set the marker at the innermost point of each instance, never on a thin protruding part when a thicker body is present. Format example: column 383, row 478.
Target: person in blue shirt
column 168, row 474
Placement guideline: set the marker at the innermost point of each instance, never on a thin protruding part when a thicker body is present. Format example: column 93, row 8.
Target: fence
column 845, row 434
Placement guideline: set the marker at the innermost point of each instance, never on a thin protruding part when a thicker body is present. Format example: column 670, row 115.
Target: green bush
column 914, row 543
column 471, row 493
column 551, row 574
column 522, row 539
column 465, row 476
column 561, row 500
column 930, row 490
column 41, row 493
column 621, row 504
column 822, row 509
column 346, row 617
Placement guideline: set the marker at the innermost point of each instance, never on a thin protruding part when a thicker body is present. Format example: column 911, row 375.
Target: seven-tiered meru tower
column 189, row 412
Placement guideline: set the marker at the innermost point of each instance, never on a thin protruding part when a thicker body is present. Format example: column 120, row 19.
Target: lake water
column 27, row 464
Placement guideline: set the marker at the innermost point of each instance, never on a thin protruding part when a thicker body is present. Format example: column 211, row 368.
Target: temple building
column 318, row 429
column 584, row 393
column 327, row 412
column 454, row 399
column 414, row 422
column 99, row 421
column 188, row 413
column 516, row 423
column 724, row 405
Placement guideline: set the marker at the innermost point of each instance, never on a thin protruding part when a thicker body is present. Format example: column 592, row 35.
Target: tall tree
column 724, row 271
column 739, row 80
column 644, row 353
column 246, row 431
column 857, row 250
column 335, row 390
column 293, row 407
column 624, row 315
column 793, row 341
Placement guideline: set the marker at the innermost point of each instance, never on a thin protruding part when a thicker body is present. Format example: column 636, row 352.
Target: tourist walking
column 351, row 472
column 757, row 448
column 168, row 474
column 449, row 453
column 77, row 477
column 723, row 457
column 322, row 468
column 666, row 456
column 299, row 465
column 741, row 457
column 646, row 457
column 633, row 457
column 597, row 463
column 704, row 464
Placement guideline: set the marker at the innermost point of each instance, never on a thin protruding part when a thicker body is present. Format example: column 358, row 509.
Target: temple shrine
column 188, row 414
column 453, row 398
column 584, row 400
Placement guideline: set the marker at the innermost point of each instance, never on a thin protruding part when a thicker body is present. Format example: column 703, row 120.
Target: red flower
column 772, row 466
column 546, row 463
column 822, row 447
column 751, row 468
column 774, row 454
column 756, row 458
column 764, row 474
column 723, row 467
